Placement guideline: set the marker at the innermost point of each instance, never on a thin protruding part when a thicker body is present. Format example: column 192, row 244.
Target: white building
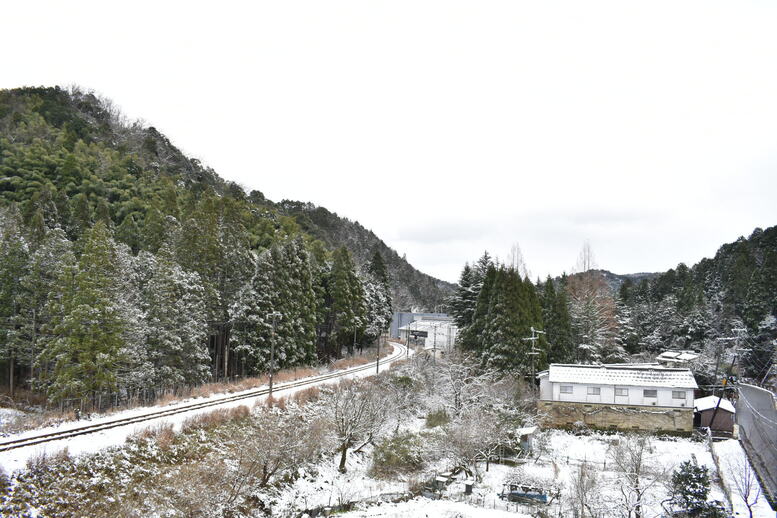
column 573, row 392
column 433, row 333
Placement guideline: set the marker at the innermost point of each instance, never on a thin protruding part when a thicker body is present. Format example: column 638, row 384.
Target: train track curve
column 399, row 352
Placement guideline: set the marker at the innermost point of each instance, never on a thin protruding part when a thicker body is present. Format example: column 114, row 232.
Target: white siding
column 552, row 391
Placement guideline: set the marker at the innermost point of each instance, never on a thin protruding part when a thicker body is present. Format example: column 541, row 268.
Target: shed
column 526, row 436
column 724, row 419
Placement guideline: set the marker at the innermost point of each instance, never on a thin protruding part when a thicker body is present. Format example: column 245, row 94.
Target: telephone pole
column 274, row 315
column 534, row 351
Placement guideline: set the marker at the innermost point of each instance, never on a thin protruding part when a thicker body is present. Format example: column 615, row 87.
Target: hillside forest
column 126, row 266
column 724, row 307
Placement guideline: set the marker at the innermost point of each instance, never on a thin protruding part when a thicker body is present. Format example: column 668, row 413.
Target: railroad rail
column 399, row 352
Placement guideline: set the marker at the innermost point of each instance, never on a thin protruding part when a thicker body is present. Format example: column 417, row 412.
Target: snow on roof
column 527, row 430
column 677, row 356
column 428, row 325
column 709, row 402
column 639, row 375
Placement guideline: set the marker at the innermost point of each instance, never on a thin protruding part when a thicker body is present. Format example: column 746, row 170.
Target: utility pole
column 377, row 355
column 434, row 342
column 739, row 332
column 718, row 354
column 274, row 316
column 534, row 352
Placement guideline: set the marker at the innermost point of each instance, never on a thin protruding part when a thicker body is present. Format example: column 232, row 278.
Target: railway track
column 399, row 352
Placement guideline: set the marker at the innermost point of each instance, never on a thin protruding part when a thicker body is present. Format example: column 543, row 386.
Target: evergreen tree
column 14, row 260
column 555, row 315
column 471, row 337
column 379, row 274
column 690, row 490
column 175, row 324
column 128, row 232
column 463, row 302
column 347, row 299
column 503, row 334
column 37, row 282
column 81, row 356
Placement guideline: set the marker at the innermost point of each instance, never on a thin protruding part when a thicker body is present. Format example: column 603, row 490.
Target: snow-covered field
column 13, row 460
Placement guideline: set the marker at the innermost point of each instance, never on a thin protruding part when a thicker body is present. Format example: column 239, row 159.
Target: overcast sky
column 448, row 128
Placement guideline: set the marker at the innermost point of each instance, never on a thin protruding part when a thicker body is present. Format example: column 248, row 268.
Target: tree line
column 592, row 316
column 126, row 265
column 87, row 318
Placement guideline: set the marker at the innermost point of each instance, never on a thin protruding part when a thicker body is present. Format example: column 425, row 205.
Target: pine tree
column 37, row 283
column 690, row 489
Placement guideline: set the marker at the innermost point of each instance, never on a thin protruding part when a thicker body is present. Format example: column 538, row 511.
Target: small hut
column 724, row 419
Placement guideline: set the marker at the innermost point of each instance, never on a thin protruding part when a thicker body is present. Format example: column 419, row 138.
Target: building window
column 650, row 393
column 566, row 389
column 594, row 391
column 678, row 394
column 621, row 392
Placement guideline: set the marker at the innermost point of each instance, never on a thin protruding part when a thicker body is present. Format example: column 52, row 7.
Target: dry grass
column 22, row 398
column 42, row 459
column 32, row 421
column 215, row 418
column 309, row 394
column 46, row 418
column 162, row 433
column 272, row 402
column 355, row 361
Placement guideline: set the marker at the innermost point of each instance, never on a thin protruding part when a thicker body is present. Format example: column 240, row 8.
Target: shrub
column 438, row 418
column 400, row 454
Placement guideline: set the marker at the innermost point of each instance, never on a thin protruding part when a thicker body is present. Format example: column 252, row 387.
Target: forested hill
column 59, row 148
column 411, row 288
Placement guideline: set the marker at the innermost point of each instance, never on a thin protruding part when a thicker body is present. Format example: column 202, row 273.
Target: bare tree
column 356, row 412
column 516, row 261
column 584, row 491
column 586, row 260
column 281, row 440
column 745, row 481
column 476, row 436
column 630, row 458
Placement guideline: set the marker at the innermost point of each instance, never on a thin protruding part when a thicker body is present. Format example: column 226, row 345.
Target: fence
column 757, row 420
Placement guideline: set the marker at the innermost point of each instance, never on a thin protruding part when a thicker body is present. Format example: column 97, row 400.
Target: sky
column 648, row 129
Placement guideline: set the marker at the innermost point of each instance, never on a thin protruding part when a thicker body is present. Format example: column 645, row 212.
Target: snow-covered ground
column 13, row 460
column 733, row 467
column 432, row 509
column 9, row 414
column 563, row 454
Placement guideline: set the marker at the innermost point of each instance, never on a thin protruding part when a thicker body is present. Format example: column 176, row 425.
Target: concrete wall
column 607, row 395
column 614, row 416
